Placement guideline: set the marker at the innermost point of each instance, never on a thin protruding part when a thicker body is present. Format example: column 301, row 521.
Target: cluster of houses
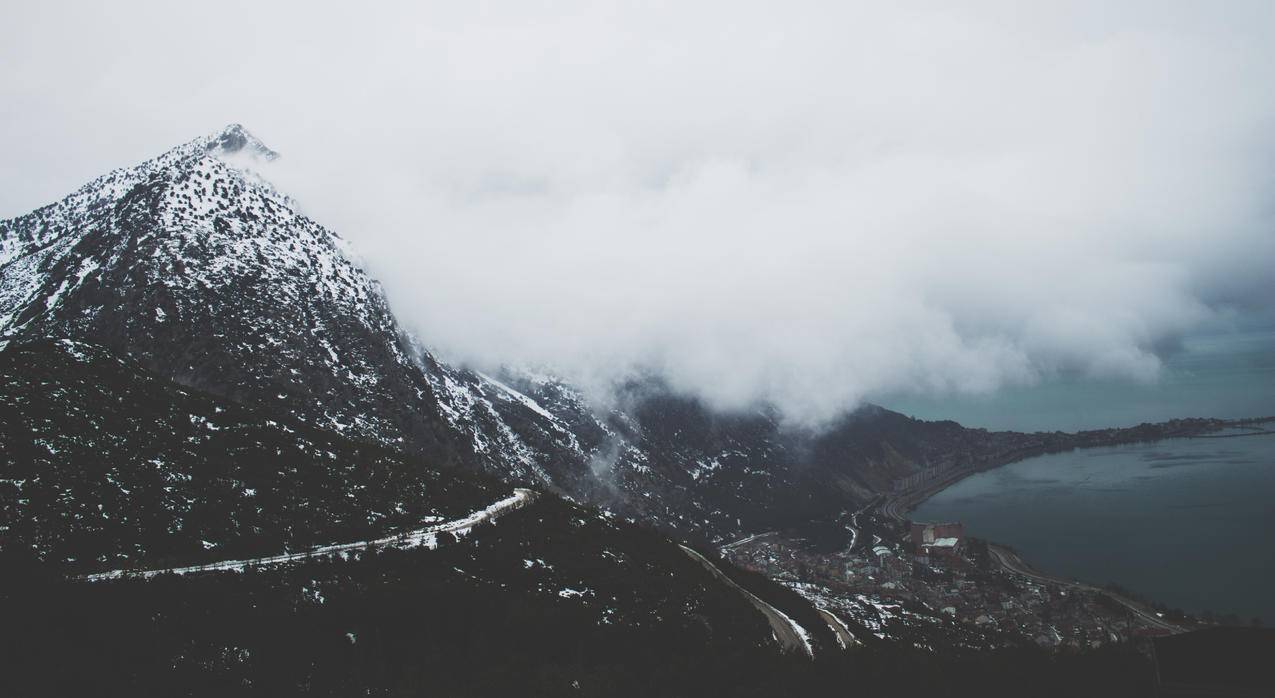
column 936, row 540
column 933, row 568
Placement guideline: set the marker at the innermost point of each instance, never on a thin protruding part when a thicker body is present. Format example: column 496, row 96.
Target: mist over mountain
column 812, row 210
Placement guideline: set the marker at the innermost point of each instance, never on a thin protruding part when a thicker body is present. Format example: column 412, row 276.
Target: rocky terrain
column 109, row 465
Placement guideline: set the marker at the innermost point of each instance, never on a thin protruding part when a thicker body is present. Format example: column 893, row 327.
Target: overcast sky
column 810, row 203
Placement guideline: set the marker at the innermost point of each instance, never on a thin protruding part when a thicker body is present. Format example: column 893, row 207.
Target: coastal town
column 932, row 585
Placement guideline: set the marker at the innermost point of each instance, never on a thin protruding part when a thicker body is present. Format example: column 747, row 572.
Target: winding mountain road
column 1010, row 561
column 845, row 638
column 791, row 636
column 426, row 536
column 853, row 526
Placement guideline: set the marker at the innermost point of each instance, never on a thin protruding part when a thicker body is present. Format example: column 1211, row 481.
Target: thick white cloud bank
column 806, row 203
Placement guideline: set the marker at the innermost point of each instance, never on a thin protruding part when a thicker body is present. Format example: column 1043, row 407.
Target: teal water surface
column 1187, row 522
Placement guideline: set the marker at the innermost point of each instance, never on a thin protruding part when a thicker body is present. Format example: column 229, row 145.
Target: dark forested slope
column 104, row 464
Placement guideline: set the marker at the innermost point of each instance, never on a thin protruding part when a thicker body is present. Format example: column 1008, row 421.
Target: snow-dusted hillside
column 199, row 269
column 105, row 464
column 203, row 272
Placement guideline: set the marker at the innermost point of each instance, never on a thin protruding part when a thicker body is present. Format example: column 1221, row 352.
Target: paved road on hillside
column 792, row 637
column 1010, row 560
column 731, row 546
column 845, row 638
column 421, row 536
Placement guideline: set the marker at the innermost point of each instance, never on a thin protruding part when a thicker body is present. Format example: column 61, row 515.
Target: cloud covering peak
column 812, row 206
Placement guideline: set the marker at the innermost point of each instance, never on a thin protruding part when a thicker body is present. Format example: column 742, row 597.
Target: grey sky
column 813, row 203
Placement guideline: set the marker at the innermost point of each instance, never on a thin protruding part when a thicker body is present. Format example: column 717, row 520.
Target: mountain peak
column 234, row 138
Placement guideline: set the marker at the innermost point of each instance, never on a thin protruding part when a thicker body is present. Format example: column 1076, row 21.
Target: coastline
column 1009, row 560
column 898, row 505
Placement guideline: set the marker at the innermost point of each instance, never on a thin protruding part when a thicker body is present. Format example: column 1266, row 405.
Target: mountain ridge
column 205, row 273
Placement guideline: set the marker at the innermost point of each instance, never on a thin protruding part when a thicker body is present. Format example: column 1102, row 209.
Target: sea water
column 1186, row 522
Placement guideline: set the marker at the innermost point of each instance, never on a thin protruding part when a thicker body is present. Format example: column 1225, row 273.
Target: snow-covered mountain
column 204, row 272
column 200, row 270
column 207, row 274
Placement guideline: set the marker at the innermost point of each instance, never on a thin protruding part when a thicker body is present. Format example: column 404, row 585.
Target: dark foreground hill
column 548, row 602
column 553, row 599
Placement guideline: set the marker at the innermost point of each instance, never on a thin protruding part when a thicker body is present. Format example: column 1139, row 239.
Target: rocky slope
column 201, row 271
column 206, row 274
column 107, row 465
